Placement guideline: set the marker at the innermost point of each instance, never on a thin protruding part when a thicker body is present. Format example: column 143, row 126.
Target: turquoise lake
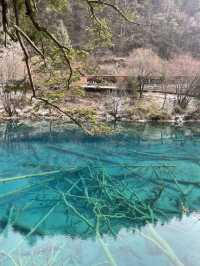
column 130, row 199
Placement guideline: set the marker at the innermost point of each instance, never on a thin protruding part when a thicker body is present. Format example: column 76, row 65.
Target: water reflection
column 127, row 249
column 129, row 199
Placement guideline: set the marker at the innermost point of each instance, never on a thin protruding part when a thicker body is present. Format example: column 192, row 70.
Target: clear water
column 128, row 199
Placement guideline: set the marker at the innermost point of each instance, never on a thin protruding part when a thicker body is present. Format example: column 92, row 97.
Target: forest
column 59, row 55
column 167, row 27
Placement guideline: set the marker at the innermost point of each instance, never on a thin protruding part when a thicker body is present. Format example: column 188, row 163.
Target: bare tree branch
column 28, row 40
column 114, row 7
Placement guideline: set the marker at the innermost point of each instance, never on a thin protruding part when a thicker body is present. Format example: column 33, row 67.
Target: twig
column 104, row 246
column 163, row 245
column 76, row 212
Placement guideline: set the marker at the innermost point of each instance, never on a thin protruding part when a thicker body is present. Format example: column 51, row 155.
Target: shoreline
column 94, row 109
column 66, row 120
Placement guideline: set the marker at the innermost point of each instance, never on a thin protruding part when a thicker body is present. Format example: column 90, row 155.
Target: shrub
column 147, row 111
column 133, row 85
column 142, row 64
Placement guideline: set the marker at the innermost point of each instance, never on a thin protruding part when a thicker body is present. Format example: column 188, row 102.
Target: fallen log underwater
column 92, row 186
column 157, row 156
column 78, row 154
column 130, row 154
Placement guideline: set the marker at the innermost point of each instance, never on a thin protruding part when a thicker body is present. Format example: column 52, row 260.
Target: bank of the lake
column 108, row 108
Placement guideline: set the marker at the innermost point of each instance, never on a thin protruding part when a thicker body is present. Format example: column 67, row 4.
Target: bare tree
column 12, row 77
column 144, row 63
column 186, row 88
column 115, row 101
column 184, row 73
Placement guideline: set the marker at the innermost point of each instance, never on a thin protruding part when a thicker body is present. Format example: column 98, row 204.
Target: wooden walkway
column 100, row 88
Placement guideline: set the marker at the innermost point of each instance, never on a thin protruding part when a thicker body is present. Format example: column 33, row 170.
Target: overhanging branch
column 92, row 3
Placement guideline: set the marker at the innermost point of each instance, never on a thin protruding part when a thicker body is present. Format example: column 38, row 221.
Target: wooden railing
column 151, row 80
